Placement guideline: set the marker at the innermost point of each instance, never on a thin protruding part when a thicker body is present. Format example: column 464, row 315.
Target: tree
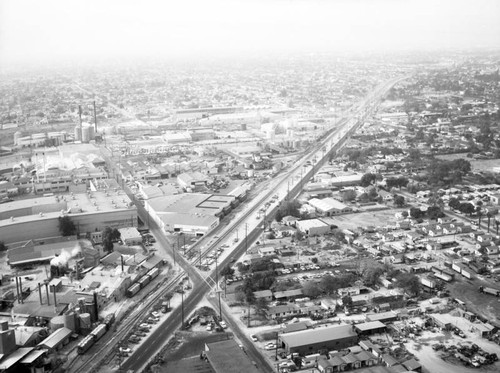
column 416, row 213
column 347, row 301
column 348, row 195
column 489, row 215
column 107, row 239
column 372, row 275
column 311, row 289
column 261, row 305
column 399, row 200
column 409, row 282
column 66, row 226
column 479, row 213
column 328, row 284
column 454, row 203
column 367, row 179
column 435, row 212
column 497, row 223
column 466, row 208
column 227, row 271
column 3, row 246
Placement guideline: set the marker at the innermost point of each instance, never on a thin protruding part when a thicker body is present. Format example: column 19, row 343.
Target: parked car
column 253, row 337
column 125, row 349
column 223, row 324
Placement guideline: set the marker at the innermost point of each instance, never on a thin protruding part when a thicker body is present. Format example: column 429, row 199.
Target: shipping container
column 427, row 283
column 133, row 290
column 443, row 276
column 85, row 344
column 99, row 331
column 489, row 291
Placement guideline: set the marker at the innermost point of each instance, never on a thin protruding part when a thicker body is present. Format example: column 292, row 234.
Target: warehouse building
column 329, row 206
column 313, row 227
column 90, row 212
column 311, row 341
column 193, row 213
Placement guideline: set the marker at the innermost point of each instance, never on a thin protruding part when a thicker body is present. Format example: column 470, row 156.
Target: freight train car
column 153, row 273
column 144, row 280
column 85, row 344
column 133, row 290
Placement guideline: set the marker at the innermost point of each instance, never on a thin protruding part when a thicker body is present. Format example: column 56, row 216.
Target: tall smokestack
column 21, row 300
column 95, row 119
column 95, row 306
column 40, row 293
column 55, row 298
column 17, row 290
column 80, row 115
column 47, row 291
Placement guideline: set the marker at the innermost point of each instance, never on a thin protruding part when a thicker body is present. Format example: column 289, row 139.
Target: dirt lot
column 363, row 219
column 482, row 304
column 432, row 360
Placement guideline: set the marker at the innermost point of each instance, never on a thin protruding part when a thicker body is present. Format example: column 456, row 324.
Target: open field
column 364, row 219
column 491, row 165
column 482, row 304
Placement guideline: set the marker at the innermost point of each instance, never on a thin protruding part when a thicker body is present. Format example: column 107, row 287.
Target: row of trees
column 109, row 235
column 447, row 172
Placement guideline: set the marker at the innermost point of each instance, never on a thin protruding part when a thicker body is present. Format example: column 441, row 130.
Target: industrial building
column 190, row 212
column 90, row 211
column 313, row 227
column 329, row 206
column 311, row 341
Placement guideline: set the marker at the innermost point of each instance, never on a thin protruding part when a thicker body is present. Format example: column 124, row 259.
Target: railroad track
column 118, row 331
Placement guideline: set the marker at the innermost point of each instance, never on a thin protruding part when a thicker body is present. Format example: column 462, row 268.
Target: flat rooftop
column 318, row 335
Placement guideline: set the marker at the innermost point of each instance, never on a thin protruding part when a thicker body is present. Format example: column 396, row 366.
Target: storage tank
column 70, row 321
column 56, row 322
column 78, row 133
column 85, row 134
column 85, row 320
column 91, row 132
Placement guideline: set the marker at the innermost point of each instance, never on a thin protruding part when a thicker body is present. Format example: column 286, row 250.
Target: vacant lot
column 482, row 304
column 492, row 165
column 363, row 219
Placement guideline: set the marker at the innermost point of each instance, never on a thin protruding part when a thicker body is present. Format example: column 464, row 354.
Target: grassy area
column 485, row 305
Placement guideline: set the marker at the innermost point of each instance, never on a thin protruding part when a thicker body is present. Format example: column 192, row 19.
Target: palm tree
column 479, row 213
column 489, row 215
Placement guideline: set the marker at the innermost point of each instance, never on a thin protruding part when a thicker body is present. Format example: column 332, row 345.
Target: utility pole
column 182, row 309
column 246, row 238
column 248, row 320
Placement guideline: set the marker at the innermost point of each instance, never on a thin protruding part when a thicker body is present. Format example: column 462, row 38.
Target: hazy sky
column 33, row 30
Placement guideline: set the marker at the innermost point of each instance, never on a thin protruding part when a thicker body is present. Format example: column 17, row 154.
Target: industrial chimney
column 95, row 119
column 40, row 293
column 47, row 291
